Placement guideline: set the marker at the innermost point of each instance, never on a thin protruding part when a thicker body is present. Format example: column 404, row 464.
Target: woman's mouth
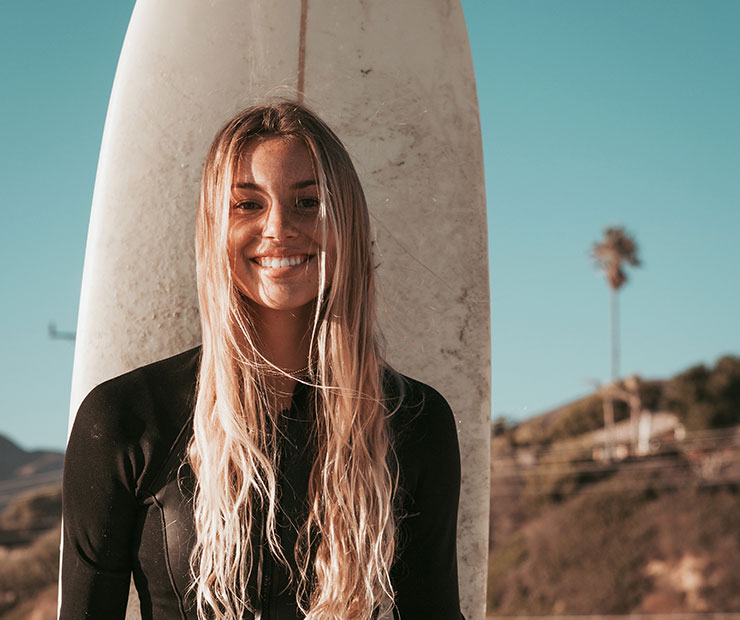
column 279, row 262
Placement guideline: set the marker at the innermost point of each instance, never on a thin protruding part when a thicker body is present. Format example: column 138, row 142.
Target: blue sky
column 593, row 113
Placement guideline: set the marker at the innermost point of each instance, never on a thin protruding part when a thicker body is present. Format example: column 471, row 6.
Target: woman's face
column 274, row 237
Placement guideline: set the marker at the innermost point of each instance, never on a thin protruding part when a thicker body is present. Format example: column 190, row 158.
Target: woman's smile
column 276, row 263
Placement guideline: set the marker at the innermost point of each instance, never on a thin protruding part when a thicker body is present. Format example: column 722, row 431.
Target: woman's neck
column 284, row 336
column 284, row 339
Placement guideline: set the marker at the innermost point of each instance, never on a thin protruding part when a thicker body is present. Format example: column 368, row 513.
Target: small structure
column 653, row 429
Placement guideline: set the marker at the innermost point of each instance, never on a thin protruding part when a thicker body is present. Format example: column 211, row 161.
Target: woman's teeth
column 285, row 261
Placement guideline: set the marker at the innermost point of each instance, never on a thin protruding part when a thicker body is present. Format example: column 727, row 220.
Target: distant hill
column 580, row 416
column 22, row 471
column 11, row 457
column 702, row 397
column 15, row 461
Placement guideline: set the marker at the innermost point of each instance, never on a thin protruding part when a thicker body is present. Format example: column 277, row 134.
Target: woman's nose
column 278, row 223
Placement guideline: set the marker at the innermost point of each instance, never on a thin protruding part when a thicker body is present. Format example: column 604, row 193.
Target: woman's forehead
column 263, row 159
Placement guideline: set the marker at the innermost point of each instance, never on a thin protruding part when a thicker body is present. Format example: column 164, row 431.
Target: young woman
column 282, row 470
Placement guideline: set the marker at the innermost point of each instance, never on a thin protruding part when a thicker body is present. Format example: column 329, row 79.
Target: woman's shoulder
column 167, row 371
column 136, row 417
column 418, row 411
column 161, row 387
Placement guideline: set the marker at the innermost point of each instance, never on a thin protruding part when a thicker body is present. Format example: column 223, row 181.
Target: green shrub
column 704, row 398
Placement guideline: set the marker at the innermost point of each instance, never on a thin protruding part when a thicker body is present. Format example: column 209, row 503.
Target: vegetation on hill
column 29, row 553
column 705, row 397
column 27, row 571
column 30, row 514
column 702, row 398
column 581, row 416
column 663, row 541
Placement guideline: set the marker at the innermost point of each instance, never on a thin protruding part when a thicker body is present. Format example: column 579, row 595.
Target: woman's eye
column 247, row 205
column 307, row 203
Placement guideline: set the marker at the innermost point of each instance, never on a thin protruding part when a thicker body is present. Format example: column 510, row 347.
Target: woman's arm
column 99, row 508
column 425, row 572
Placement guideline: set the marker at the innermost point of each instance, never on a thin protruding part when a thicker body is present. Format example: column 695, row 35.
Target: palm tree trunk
column 614, row 372
column 614, row 327
column 608, row 427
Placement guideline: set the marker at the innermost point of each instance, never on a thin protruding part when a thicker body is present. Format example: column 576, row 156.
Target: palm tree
column 615, row 250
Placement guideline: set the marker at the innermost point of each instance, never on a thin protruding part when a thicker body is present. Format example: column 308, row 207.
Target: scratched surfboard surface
column 395, row 80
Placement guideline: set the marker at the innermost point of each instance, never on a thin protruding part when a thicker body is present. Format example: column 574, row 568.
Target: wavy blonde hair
column 346, row 546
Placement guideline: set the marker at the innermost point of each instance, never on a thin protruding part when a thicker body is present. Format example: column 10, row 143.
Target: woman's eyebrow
column 245, row 185
column 306, row 183
column 250, row 185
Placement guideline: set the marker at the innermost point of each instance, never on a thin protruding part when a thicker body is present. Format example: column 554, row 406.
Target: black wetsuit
column 128, row 500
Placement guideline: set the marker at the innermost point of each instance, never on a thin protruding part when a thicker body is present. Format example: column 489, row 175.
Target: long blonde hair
column 346, row 547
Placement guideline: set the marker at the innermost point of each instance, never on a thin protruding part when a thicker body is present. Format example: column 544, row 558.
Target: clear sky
column 593, row 112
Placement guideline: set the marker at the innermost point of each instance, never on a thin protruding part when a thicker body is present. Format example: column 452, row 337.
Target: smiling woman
column 283, row 470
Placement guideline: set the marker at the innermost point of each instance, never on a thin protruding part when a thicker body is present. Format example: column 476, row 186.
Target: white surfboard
column 395, row 81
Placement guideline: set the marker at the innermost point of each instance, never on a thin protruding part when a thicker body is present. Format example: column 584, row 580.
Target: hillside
column 29, row 554
column 17, row 462
column 652, row 531
column 22, row 470
column 30, row 516
column 656, row 536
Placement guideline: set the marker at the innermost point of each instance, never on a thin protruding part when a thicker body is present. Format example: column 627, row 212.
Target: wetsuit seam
column 170, row 574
